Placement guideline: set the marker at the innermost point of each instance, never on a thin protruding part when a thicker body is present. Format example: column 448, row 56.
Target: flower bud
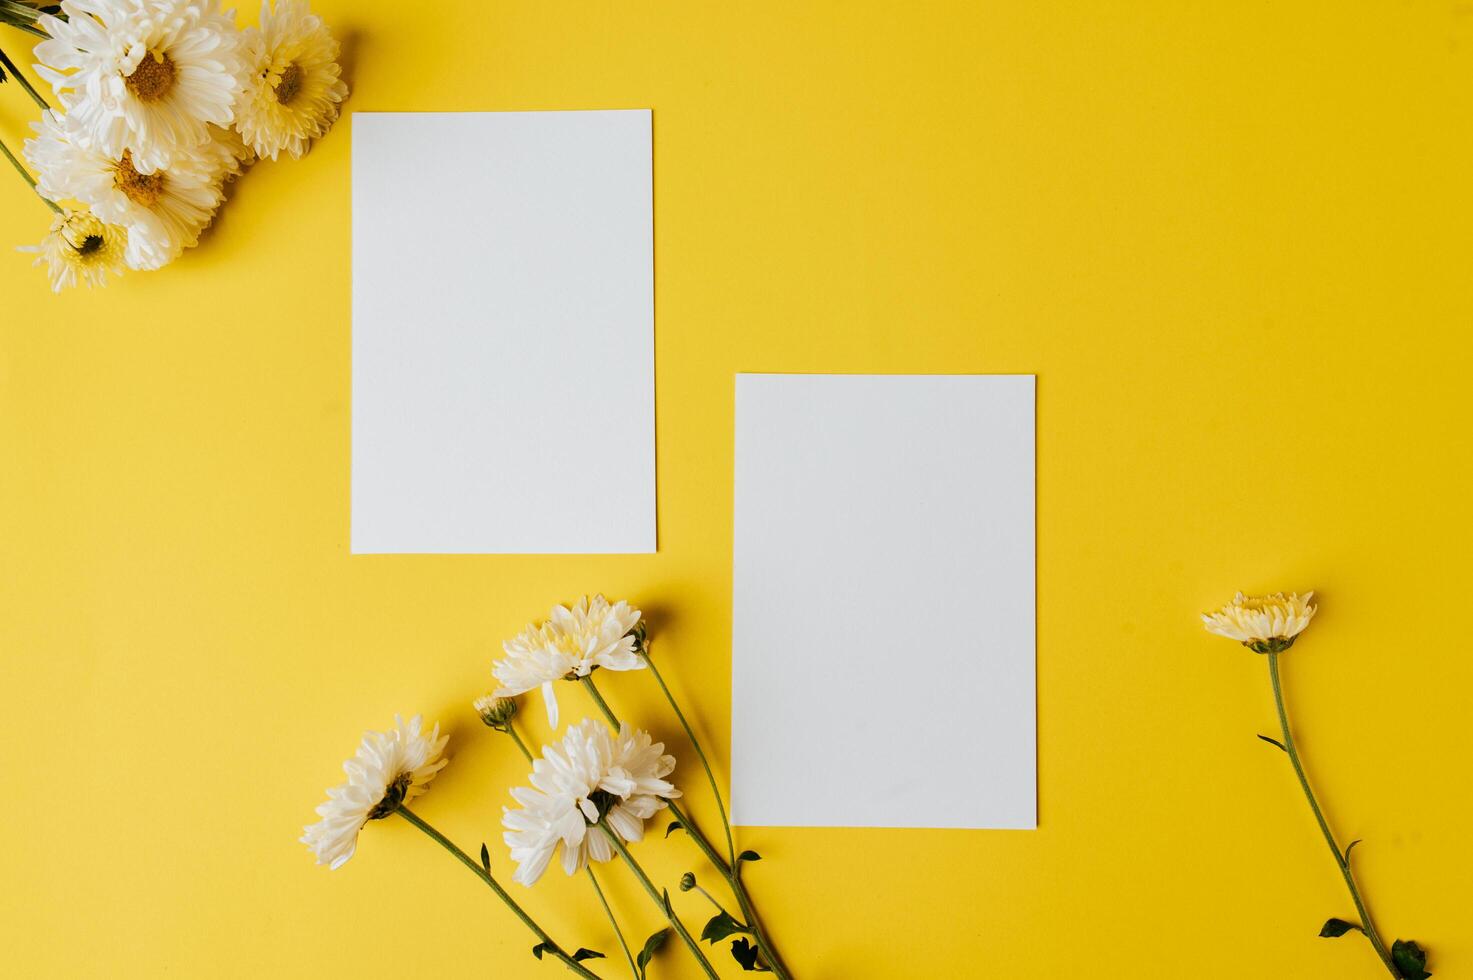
column 687, row 881
column 496, row 712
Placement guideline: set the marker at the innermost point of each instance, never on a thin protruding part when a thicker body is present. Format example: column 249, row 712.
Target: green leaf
column 1274, row 741
column 485, row 859
column 674, row 826
column 1410, row 959
column 651, row 947
column 721, row 926
column 748, row 856
column 1349, row 849
column 586, row 954
column 669, row 912
column 1335, row 928
column 745, row 954
column 541, row 948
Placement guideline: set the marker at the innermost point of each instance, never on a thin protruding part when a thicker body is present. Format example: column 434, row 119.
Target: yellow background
column 1233, row 242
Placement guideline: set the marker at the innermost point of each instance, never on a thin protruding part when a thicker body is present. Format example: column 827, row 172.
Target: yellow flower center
column 152, row 79
column 289, row 84
column 143, row 190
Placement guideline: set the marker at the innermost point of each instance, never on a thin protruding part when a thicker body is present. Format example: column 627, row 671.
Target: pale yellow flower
column 1263, row 624
column 81, row 249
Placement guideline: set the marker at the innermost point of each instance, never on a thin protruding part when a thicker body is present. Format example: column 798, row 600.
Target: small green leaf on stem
column 651, row 947
column 1274, row 741
column 486, row 860
column 1335, row 928
column 586, row 954
column 721, row 926
column 665, row 895
column 1410, row 959
column 748, row 856
column 674, row 826
column 1349, row 849
column 746, row 954
column 541, row 948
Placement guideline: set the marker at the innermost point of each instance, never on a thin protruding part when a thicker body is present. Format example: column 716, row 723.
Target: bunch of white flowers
column 162, row 103
column 592, row 791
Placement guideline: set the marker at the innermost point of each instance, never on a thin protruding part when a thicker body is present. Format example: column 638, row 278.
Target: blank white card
column 883, row 592
column 503, row 333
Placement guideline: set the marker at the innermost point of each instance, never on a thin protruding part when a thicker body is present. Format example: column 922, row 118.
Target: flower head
column 495, row 712
column 143, row 76
column 574, row 640
column 1263, row 624
column 390, row 769
column 81, row 248
column 293, row 87
column 164, row 210
column 591, row 776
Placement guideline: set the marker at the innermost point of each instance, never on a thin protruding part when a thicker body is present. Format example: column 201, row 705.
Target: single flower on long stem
column 388, row 770
column 1270, row 625
column 497, row 714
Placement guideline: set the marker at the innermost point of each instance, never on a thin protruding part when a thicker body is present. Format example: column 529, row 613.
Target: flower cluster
column 162, row 103
column 590, row 792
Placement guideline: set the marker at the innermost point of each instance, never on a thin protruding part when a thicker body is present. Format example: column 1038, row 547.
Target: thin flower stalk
column 661, row 901
column 26, row 174
column 550, row 947
column 730, row 870
column 15, row 73
column 1342, row 859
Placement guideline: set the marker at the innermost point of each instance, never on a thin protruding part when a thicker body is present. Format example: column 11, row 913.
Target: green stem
column 731, row 871
column 659, row 900
column 549, row 946
column 20, row 169
column 714, row 902
column 518, row 739
column 592, row 880
column 1341, row 861
column 700, row 753
column 24, row 83
column 628, row 955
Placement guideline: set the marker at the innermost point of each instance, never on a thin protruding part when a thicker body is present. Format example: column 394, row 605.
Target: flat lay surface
column 1232, row 245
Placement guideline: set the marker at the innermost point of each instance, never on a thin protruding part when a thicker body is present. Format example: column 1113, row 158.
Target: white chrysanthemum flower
column 293, row 87
column 144, row 76
column 592, row 633
column 591, row 775
column 390, row 769
column 164, row 211
column 80, row 249
column 227, row 153
column 1264, row 624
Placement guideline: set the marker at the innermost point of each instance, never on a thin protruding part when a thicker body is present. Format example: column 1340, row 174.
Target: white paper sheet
column 503, row 333
column 883, row 591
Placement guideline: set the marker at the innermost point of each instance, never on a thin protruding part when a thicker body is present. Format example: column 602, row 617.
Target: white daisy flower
column 1264, row 624
column 592, row 633
column 293, row 87
column 143, row 76
column 164, row 211
column 80, row 249
column 591, row 775
column 390, row 769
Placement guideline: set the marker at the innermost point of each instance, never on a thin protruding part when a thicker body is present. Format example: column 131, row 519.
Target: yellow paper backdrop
column 1231, row 240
